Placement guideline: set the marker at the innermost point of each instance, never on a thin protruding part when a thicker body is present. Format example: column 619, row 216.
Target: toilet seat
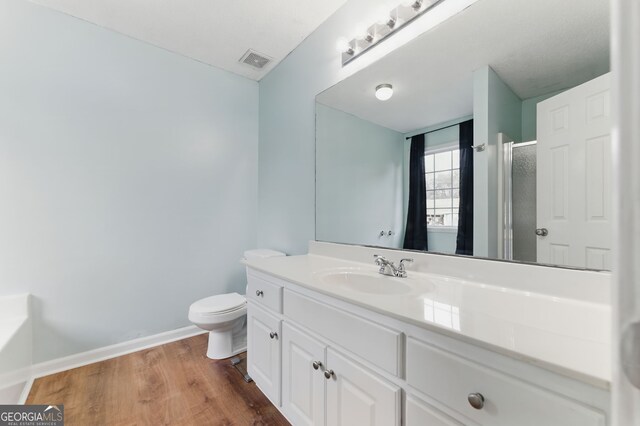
column 225, row 317
column 219, row 304
column 218, row 309
column 218, row 313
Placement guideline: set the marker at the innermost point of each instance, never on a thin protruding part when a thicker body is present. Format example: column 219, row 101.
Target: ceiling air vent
column 255, row 59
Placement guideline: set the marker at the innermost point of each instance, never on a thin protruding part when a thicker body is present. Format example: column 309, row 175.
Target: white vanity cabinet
column 321, row 383
column 264, row 333
column 419, row 413
column 357, row 396
column 264, row 351
column 303, row 381
column 488, row 396
column 327, row 361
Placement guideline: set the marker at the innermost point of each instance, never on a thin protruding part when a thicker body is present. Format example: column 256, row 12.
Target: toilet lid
column 219, row 304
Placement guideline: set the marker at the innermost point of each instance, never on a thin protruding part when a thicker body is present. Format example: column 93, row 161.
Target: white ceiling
column 216, row 32
column 536, row 47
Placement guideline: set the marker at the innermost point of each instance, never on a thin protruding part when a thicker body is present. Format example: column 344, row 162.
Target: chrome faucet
column 387, row 267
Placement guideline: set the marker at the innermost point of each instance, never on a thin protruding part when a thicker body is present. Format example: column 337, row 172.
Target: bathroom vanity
column 332, row 341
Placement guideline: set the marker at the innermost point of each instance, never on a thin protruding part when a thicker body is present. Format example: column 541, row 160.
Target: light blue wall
column 128, row 179
column 442, row 241
column 359, row 175
column 286, row 201
column 530, row 115
column 496, row 109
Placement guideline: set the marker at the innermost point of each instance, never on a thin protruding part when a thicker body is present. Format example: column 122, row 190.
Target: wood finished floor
column 172, row 384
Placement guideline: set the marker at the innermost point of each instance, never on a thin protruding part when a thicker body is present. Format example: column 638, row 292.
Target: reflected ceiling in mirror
column 524, row 72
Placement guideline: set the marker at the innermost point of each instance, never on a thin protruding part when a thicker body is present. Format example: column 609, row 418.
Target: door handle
column 630, row 353
column 542, row 232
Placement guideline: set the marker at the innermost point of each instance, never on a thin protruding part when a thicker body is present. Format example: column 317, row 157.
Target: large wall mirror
column 495, row 142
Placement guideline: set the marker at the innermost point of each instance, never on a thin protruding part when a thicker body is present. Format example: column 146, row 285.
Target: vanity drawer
column 507, row 401
column 419, row 413
column 264, row 292
column 373, row 342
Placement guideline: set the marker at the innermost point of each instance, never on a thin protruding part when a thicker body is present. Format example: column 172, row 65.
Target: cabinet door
column 357, row 396
column 264, row 352
column 302, row 385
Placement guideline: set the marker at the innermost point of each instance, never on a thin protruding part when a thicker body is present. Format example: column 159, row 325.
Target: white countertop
column 567, row 335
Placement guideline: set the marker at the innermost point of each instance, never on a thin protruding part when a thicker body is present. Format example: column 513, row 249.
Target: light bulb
column 343, row 46
column 386, row 19
column 362, row 33
column 383, row 16
column 415, row 4
column 384, row 92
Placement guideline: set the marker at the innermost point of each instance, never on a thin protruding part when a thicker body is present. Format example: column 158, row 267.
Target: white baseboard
column 96, row 355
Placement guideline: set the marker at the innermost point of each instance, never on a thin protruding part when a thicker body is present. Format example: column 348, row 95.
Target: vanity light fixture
column 343, row 46
column 384, row 91
column 363, row 33
column 415, row 4
column 387, row 24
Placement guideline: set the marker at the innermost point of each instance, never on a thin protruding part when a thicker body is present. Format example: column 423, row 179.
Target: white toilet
column 225, row 316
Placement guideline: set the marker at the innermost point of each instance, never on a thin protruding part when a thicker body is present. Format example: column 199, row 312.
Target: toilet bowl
column 224, row 317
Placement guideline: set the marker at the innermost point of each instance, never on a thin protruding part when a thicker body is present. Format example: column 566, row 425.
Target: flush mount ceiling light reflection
column 384, row 92
column 387, row 23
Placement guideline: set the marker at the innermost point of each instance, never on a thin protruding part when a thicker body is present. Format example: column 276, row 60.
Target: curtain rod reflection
column 435, row 130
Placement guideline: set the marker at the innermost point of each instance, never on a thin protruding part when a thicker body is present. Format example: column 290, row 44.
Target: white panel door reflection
column 574, row 177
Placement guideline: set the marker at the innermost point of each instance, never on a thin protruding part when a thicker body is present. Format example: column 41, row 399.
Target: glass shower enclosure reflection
column 519, row 210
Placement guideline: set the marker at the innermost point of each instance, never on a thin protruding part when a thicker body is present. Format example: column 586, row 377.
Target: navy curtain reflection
column 415, row 236
column 464, row 241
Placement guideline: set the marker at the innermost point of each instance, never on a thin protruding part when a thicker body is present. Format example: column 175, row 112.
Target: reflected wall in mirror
column 531, row 79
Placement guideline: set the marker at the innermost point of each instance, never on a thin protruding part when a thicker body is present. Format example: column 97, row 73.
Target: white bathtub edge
column 25, row 391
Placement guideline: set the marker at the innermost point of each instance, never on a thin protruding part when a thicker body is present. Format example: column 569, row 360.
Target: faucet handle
column 381, row 261
column 402, row 272
column 407, row 260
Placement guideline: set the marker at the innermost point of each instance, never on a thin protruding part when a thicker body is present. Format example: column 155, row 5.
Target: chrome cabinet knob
column 328, row 374
column 316, row 365
column 542, row 232
column 273, row 335
column 476, row 400
column 259, row 293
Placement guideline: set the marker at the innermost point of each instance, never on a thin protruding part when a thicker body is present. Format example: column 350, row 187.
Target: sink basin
column 364, row 282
